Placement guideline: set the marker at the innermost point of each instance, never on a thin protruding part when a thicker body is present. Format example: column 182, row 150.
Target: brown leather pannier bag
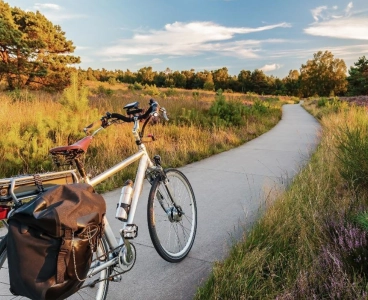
column 51, row 241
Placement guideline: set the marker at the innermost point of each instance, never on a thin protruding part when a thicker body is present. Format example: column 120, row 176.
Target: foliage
column 246, row 81
column 112, row 81
column 151, row 90
column 323, row 75
column 227, row 113
column 136, row 86
column 209, row 84
column 101, row 90
column 27, row 137
column 33, row 51
column 358, row 79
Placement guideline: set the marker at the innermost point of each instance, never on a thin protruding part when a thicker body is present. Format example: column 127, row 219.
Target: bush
column 136, row 86
column 151, row 90
column 259, row 107
column 209, row 86
column 227, row 113
column 112, row 81
column 104, row 91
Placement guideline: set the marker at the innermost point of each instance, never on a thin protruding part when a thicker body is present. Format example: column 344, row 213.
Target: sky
column 275, row 36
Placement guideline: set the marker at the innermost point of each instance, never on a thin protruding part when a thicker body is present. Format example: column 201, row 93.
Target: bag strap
column 61, row 265
column 38, row 182
column 63, row 256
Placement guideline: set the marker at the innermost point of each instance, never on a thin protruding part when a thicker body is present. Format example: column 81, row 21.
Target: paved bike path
column 231, row 189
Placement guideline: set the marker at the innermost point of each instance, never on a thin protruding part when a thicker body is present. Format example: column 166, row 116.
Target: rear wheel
column 172, row 215
column 95, row 287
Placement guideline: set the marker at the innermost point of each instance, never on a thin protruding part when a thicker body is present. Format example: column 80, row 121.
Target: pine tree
column 33, row 51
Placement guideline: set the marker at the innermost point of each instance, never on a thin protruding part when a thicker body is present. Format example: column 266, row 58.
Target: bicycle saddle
column 79, row 147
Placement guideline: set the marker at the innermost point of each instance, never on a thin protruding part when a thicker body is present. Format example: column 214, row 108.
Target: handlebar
column 151, row 111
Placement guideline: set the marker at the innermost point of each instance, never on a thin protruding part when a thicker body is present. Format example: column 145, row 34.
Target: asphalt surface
column 232, row 189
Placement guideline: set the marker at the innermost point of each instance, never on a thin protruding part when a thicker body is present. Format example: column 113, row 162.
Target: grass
column 311, row 243
column 32, row 123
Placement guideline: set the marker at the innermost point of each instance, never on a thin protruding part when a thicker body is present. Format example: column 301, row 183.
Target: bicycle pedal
column 130, row 231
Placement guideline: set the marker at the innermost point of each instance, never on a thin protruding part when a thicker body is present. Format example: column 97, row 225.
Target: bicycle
column 171, row 208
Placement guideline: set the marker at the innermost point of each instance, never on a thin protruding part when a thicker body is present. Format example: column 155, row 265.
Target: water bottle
column 122, row 209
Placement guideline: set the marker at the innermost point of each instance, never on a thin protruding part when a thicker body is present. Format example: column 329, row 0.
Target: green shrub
column 209, row 86
column 322, row 102
column 259, row 107
column 362, row 220
column 151, row 90
column 104, row 91
column 136, row 86
column 112, row 81
column 227, row 113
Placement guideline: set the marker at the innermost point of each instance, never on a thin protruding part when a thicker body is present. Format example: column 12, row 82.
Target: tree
column 292, row 83
column 245, row 81
column 180, row 80
column 208, row 84
column 358, row 78
column 220, row 78
column 324, row 75
column 259, row 81
column 199, row 79
column 145, row 75
column 130, row 77
column 190, row 76
column 159, row 79
column 90, row 75
column 34, row 52
column 278, row 87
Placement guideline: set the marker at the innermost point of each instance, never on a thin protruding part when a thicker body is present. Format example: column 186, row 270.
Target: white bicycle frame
column 145, row 164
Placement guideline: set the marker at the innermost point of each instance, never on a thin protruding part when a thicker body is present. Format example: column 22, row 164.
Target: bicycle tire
column 167, row 227
column 99, row 294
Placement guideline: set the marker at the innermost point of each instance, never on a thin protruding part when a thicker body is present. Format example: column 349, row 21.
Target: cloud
column 154, row 61
column 349, row 7
column 55, row 12
column 116, row 59
column 347, row 28
column 342, row 52
column 183, row 39
column 272, row 67
column 344, row 25
column 46, row 6
column 317, row 12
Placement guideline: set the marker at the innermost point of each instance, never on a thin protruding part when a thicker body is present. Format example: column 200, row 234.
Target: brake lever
column 105, row 120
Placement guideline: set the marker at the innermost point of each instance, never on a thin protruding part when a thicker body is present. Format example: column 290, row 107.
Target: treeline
column 323, row 75
column 35, row 54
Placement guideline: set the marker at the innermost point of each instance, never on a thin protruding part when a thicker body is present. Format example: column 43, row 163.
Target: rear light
column 4, row 212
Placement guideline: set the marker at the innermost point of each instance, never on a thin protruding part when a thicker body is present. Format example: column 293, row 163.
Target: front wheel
column 172, row 215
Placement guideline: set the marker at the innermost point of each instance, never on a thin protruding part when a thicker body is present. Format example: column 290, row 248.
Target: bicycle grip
column 163, row 110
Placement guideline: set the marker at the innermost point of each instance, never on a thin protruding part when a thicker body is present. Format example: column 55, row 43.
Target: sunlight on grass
column 32, row 123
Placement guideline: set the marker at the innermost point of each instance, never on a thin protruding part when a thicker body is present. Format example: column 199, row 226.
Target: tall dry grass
column 32, row 123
